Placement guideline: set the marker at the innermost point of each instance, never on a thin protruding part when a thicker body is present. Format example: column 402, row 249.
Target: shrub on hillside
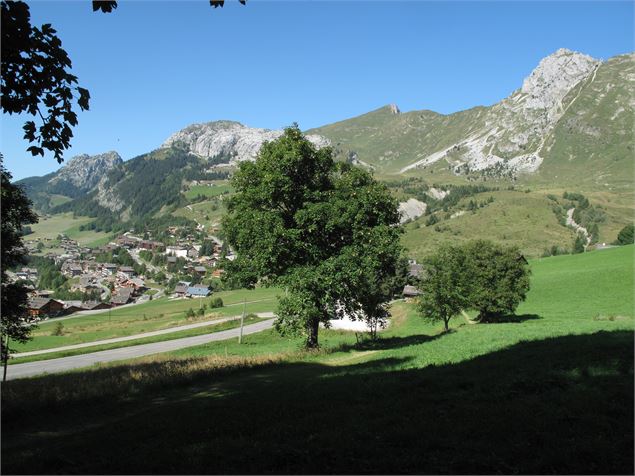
column 625, row 236
column 216, row 303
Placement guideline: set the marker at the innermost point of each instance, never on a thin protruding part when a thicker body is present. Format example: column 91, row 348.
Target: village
column 183, row 270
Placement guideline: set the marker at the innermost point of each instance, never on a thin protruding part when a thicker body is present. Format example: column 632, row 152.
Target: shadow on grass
column 385, row 343
column 559, row 405
column 512, row 318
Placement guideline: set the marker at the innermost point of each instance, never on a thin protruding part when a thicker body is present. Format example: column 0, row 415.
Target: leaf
column 106, row 6
column 35, row 150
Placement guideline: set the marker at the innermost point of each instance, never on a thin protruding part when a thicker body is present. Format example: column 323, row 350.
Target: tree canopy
column 16, row 212
column 480, row 275
column 444, row 285
column 325, row 231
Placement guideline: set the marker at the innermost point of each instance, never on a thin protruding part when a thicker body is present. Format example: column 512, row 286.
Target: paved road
column 114, row 340
column 68, row 363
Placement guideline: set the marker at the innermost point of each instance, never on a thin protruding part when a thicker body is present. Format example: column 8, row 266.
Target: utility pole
column 6, row 359
column 242, row 320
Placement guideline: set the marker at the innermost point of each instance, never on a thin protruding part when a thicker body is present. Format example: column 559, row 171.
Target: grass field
column 208, row 213
column 150, row 316
column 220, row 326
column 64, row 223
column 214, row 191
column 550, row 392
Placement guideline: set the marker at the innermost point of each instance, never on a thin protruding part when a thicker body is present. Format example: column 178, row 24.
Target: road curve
column 63, row 364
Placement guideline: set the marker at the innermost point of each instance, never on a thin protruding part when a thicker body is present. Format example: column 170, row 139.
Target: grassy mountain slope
column 484, row 398
column 592, row 144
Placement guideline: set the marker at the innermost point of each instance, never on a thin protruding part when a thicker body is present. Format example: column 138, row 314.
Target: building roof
column 415, row 270
column 200, row 269
column 198, row 290
column 39, row 303
column 410, row 291
column 122, row 296
column 126, row 269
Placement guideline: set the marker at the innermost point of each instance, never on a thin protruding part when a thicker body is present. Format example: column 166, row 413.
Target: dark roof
column 181, row 288
column 38, row 302
column 126, row 269
column 200, row 269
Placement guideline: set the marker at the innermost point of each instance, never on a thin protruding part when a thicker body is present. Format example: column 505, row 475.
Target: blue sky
column 154, row 67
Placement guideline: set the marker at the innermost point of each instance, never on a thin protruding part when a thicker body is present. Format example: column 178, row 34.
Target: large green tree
column 328, row 233
column 16, row 212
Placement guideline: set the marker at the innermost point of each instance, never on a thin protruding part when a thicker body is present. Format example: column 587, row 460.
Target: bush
column 58, row 330
column 189, row 313
column 625, row 236
column 216, row 303
column 200, row 312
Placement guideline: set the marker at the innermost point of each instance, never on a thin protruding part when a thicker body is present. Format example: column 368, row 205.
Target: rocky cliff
column 227, row 141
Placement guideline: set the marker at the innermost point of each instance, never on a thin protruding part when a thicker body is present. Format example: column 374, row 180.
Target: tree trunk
column 446, row 323
column 312, row 339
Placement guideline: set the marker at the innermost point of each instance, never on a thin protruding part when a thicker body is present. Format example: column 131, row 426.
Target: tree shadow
column 394, row 342
column 561, row 405
column 512, row 318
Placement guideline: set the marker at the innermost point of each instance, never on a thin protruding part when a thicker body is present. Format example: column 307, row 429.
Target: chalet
column 110, row 268
column 44, row 293
column 75, row 270
column 200, row 270
column 44, row 307
column 95, row 305
column 192, row 253
column 128, row 271
column 198, row 290
column 126, row 242
column 150, row 245
column 217, row 273
column 181, row 288
column 121, row 296
column 410, row 291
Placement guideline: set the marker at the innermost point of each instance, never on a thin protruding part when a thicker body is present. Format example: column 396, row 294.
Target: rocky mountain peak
column 228, row 140
column 394, row 109
column 85, row 171
column 555, row 76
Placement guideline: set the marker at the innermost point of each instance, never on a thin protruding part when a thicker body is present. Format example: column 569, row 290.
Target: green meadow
column 206, row 191
column 548, row 391
column 66, row 224
column 150, row 316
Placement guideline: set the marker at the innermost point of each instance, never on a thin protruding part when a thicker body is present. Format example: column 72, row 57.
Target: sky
column 152, row 68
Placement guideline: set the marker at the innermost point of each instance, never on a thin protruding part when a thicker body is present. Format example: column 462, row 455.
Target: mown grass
column 551, row 392
column 213, row 327
column 153, row 315
column 218, row 189
column 65, row 223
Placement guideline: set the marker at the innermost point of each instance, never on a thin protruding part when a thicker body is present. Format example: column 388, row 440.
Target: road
column 78, row 361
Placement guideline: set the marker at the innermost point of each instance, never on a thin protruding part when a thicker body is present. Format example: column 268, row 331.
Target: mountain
column 572, row 112
column 75, row 179
column 227, row 142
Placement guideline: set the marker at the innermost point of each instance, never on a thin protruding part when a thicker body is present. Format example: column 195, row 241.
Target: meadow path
column 63, row 364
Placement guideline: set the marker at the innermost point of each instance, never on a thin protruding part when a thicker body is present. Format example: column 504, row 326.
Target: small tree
column 444, row 285
column 498, row 277
column 579, row 244
column 190, row 313
column 58, row 330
